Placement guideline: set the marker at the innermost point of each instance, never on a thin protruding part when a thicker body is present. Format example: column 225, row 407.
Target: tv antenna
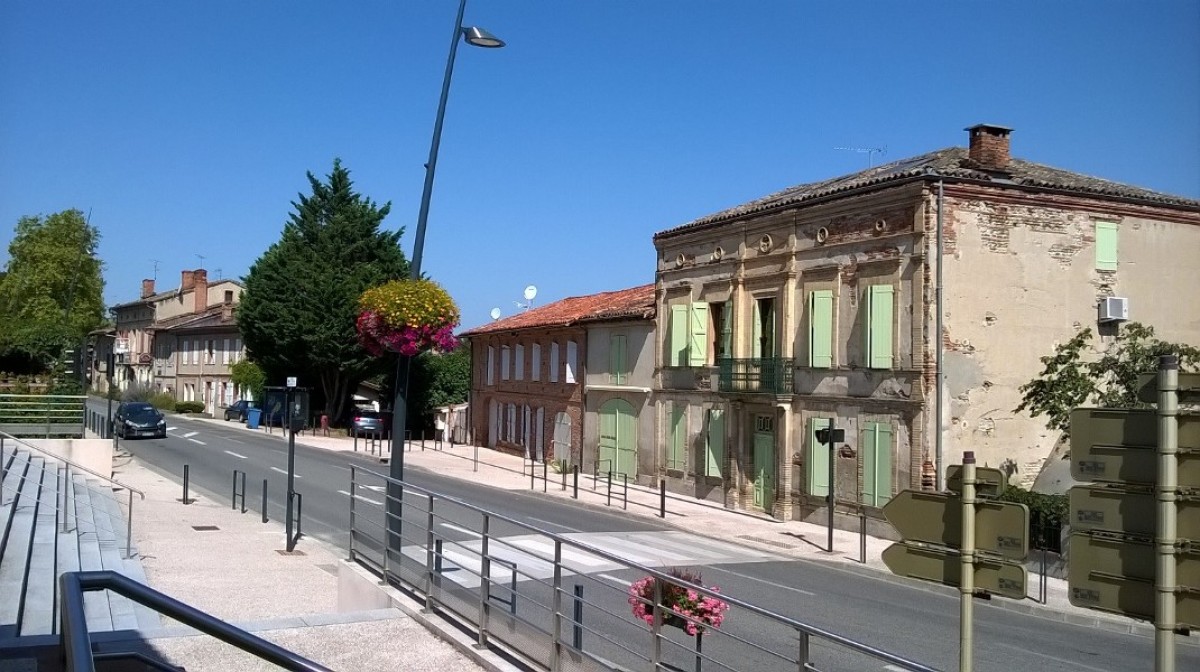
column 530, row 292
column 495, row 313
column 156, row 262
column 869, row 151
column 202, row 258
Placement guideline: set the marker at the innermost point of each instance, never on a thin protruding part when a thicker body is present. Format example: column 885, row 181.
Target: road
column 886, row 614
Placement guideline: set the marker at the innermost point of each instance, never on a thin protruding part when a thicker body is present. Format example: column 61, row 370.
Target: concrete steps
column 17, row 547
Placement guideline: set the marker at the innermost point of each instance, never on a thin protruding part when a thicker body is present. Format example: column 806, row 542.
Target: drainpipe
column 938, row 414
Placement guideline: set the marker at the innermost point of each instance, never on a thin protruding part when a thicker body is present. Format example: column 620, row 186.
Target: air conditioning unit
column 1114, row 309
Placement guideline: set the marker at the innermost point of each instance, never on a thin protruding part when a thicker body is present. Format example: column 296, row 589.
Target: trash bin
column 253, row 416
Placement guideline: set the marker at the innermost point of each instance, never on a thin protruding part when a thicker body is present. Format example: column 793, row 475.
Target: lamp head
column 481, row 38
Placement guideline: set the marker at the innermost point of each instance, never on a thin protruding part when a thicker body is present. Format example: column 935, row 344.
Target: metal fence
column 560, row 604
column 42, row 415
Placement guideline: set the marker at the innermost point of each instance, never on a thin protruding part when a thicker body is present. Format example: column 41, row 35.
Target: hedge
column 189, row 406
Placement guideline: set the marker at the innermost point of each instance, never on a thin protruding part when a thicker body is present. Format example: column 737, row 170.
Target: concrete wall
column 94, row 454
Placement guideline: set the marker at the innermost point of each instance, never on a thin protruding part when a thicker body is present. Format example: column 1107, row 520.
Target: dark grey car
column 372, row 423
column 139, row 418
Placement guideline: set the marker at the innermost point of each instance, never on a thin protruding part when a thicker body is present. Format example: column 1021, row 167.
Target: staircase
column 56, row 519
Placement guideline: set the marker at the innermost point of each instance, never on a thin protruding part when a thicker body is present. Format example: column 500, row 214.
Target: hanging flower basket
column 678, row 601
column 407, row 316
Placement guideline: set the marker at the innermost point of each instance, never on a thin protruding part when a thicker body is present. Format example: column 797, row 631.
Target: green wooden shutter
column 818, row 459
column 716, row 443
column 677, row 356
column 727, row 329
column 877, row 463
column 820, row 329
column 756, row 333
column 1106, row 246
column 879, row 327
column 616, row 359
column 698, row 333
column 678, row 437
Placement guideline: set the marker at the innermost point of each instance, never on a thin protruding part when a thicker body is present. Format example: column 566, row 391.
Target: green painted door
column 618, row 437
column 764, row 462
column 608, row 436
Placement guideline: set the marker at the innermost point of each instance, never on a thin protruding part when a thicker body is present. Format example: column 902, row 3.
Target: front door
column 562, row 437
column 618, row 437
column 764, row 462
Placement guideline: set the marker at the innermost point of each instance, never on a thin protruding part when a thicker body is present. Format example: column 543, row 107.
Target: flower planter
column 408, row 317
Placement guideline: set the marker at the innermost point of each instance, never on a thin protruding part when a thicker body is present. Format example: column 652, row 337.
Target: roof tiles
column 633, row 303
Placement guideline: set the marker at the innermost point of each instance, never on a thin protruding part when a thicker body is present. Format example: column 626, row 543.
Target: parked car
column 237, row 410
column 372, row 423
column 139, row 418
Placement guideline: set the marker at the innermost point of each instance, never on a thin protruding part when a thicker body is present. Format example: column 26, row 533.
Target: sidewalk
column 234, row 567
column 790, row 539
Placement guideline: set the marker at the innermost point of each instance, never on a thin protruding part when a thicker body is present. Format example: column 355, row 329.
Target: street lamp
column 480, row 38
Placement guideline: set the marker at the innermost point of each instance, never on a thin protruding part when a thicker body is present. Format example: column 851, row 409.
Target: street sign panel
column 1189, row 387
column 989, row 482
column 1119, row 446
column 1001, row 528
column 1128, row 511
column 1117, row 575
column 944, row 565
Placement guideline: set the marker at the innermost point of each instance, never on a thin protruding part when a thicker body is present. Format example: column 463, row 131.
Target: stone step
column 37, row 614
column 95, row 603
column 18, row 544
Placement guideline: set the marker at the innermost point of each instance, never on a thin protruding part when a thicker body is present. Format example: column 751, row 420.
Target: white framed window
column 519, row 373
column 572, row 357
column 535, row 362
column 491, row 366
column 183, row 351
column 554, row 362
column 225, row 353
column 237, row 350
column 504, row 357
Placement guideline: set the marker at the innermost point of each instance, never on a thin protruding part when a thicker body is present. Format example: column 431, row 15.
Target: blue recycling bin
column 253, row 416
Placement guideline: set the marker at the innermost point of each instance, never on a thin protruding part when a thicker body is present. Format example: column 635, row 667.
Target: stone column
column 783, row 507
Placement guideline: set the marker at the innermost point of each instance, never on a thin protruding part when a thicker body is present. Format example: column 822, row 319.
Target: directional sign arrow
column 1001, row 528
column 1119, row 445
column 944, row 565
column 1117, row 575
column 1189, row 387
column 989, row 481
column 1125, row 510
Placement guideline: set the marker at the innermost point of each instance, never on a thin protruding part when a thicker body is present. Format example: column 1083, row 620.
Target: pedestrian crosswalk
column 595, row 553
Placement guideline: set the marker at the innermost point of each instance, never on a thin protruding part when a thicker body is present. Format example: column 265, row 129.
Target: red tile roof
column 635, row 303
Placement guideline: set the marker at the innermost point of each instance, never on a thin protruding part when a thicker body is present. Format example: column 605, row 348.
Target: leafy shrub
column 137, row 392
column 189, row 406
column 1047, row 515
column 163, row 401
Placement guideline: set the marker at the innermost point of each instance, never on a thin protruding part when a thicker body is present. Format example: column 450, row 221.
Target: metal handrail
column 80, row 467
column 805, row 628
column 77, row 642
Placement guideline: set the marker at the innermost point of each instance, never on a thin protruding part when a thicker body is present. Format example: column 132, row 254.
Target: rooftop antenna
column 869, row 151
column 530, row 292
column 156, row 263
column 219, row 274
column 202, row 258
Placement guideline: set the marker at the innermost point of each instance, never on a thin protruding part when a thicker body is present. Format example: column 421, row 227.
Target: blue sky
column 186, row 128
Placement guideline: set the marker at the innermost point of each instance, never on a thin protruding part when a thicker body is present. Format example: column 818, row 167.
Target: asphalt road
column 884, row 613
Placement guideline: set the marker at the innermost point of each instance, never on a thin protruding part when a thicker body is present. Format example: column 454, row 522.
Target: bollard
column 577, row 626
column 563, row 472
column 355, row 440
column 609, row 503
column 625, row 492
column 862, row 537
column 264, row 506
column 532, row 475
column 233, row 497
column 475, row 467
column 662, row 498
column 575, row 481
column 545, row 474
column 185, row 484
column 243, row 492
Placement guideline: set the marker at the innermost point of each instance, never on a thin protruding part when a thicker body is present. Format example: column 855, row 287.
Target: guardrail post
column 485, row 583
column 556, row 649
column 437, row 560
column 577, row 628
column 354, row 491
column 264, row 503
column 429, row 558
column 656, row 627
column 802, row 657
column 129, row 528
column 662, row 498
column 185, row 485
column 64, row 479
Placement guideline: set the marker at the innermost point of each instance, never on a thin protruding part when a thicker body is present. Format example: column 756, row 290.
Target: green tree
column 52, row 289
column 247, row 375
column 438, row 379
column 297, row 314
column 1069, row 380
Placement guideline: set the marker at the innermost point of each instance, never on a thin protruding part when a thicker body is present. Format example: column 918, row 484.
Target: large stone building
column 821, row 303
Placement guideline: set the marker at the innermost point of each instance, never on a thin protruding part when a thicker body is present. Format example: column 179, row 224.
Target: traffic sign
column 1129, row 511
column 989, row 481
column 1189, row 387
column 1001, row 528
column 944, row 565
column 1119, row 446
column 1116, row 574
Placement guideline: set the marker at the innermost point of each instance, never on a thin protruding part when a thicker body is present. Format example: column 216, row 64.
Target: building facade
column 822, row 303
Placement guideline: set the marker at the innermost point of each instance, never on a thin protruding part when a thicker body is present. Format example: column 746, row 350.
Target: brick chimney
column 188, row 281
column 200, row 278
column 989, row 146
column 147, row 288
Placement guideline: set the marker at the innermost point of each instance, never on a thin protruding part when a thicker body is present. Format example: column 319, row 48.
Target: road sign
column 1119, row 446
column 989, row 482
column 1129, row 511
column 291, row 381
column 1001, row 528
column 1189, row 387
column 944, row 565
column 1114, row 574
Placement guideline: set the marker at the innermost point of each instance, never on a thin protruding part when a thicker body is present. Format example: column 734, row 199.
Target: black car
column 237, row 411
column 138, row 418
column 372, row 423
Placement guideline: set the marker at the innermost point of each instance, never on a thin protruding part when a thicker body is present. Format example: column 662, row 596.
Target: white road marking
column 546, row 522
column 760, row 580
column 171, row 429
column 456, row 528
column 190, row 435
column 1057, row 660
column 198, row 441
column 614, row 579
column 235, row 441
column 284, row 472
column 365, row 499
column 230, row 452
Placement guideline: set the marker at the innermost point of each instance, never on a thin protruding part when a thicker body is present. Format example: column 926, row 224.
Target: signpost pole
column 966, row 587
column 1167, row 491
column 291, row 471
column 832, row 476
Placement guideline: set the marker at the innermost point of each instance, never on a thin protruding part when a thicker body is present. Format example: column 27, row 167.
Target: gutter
column 938, row 348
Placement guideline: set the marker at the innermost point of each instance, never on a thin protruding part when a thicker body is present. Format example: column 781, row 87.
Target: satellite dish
column 495, row 313
column 530, row 292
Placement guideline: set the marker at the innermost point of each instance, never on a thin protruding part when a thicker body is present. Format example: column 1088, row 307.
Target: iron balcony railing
column 771, row 375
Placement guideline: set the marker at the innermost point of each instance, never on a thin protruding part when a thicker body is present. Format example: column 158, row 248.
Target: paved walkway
column 233, row 566
column 790, row 538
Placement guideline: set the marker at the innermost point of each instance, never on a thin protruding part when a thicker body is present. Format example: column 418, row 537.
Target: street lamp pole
column 480, row 38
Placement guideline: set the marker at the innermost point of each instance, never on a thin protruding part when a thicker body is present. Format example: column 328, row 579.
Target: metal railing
column 77, row 643
column 764, row 375
column 44, row 415
column 568, row 609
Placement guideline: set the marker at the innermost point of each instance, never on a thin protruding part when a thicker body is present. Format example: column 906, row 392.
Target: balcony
column 756, row 376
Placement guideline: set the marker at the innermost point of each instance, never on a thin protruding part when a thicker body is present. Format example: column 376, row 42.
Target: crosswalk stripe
column 569, row 555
